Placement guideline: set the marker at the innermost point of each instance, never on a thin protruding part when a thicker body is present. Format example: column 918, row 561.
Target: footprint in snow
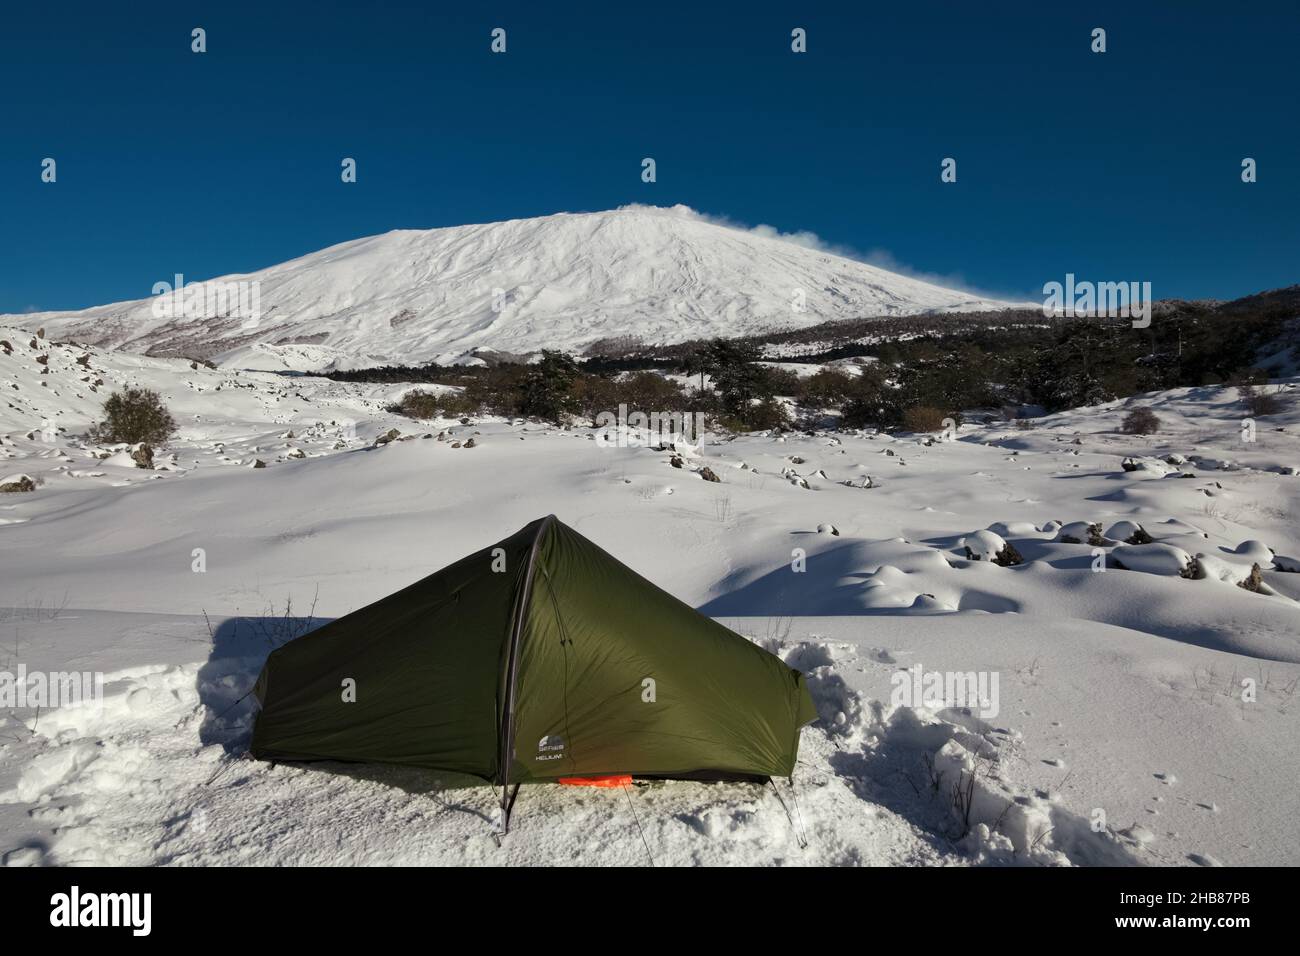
column 1138, row 834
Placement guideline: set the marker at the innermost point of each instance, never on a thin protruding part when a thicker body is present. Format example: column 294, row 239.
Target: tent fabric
column 543, row 647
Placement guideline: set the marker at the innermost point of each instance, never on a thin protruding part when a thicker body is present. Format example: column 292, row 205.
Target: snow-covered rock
column 17, row 483
column 989, row 546
column 1080, row 532
column 1130, row 532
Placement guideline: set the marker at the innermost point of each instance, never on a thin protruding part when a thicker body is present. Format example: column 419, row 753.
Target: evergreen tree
column 737, row 377
column 548, row 387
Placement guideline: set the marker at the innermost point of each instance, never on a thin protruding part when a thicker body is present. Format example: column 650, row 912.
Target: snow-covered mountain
column 561, row 281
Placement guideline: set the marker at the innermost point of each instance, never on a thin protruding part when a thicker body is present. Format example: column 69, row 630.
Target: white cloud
column 878, row 257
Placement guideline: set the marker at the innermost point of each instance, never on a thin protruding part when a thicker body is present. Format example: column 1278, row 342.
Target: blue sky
column 1116, row 166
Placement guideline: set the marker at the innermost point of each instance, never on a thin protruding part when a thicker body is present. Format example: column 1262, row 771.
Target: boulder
column 16, row 483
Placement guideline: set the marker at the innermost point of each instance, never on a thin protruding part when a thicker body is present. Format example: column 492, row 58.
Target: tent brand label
column 74, row 908
column 550, row 747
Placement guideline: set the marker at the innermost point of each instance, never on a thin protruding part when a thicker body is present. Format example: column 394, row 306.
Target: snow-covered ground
column 1153, row 702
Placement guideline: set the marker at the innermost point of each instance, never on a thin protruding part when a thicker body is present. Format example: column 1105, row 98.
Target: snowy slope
column 561, row 281
column 52, row 392
column 1121, row 690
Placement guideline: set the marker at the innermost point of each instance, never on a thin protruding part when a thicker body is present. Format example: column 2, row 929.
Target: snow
column 1153, row 558
column 982, row 545
column 561, row 281
column 1123, row 694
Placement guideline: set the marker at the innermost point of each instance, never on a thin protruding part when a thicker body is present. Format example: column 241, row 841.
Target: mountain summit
column 562, row 281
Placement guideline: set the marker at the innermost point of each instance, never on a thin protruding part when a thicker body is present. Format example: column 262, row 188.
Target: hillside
column 561, row 281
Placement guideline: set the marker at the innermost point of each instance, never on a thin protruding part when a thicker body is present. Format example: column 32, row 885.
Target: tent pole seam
column 506, row 743
column 564, row 649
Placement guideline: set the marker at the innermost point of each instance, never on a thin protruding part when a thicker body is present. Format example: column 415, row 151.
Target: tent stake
column 507, row 804
column 799, row 838
column 794, row 798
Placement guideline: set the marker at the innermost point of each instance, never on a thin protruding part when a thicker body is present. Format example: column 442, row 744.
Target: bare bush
column 1259, row 402
column 1140, row 421
column 923, row 418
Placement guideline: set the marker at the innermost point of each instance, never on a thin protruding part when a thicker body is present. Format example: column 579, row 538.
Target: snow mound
column 1153, row 559
column 1254, row 551
column 982, row 545
column 1079, row 532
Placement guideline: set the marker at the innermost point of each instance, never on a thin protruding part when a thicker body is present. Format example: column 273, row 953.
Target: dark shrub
column 647, row 392
column 1140, row 421
column 547, row 387
column 760, row 416
column 134, row 415
column 431, row 405
column 780, row 381
column 416, row 405
column 825, row 388
column 1260, row 403
column 871, row 401
column 737, row 377
column 923, row 418
column 499, row 390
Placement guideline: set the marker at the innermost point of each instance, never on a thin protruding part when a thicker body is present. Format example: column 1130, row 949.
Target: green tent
column 537, row 658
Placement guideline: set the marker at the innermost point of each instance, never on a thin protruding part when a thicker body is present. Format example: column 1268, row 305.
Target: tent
column 538, row 658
